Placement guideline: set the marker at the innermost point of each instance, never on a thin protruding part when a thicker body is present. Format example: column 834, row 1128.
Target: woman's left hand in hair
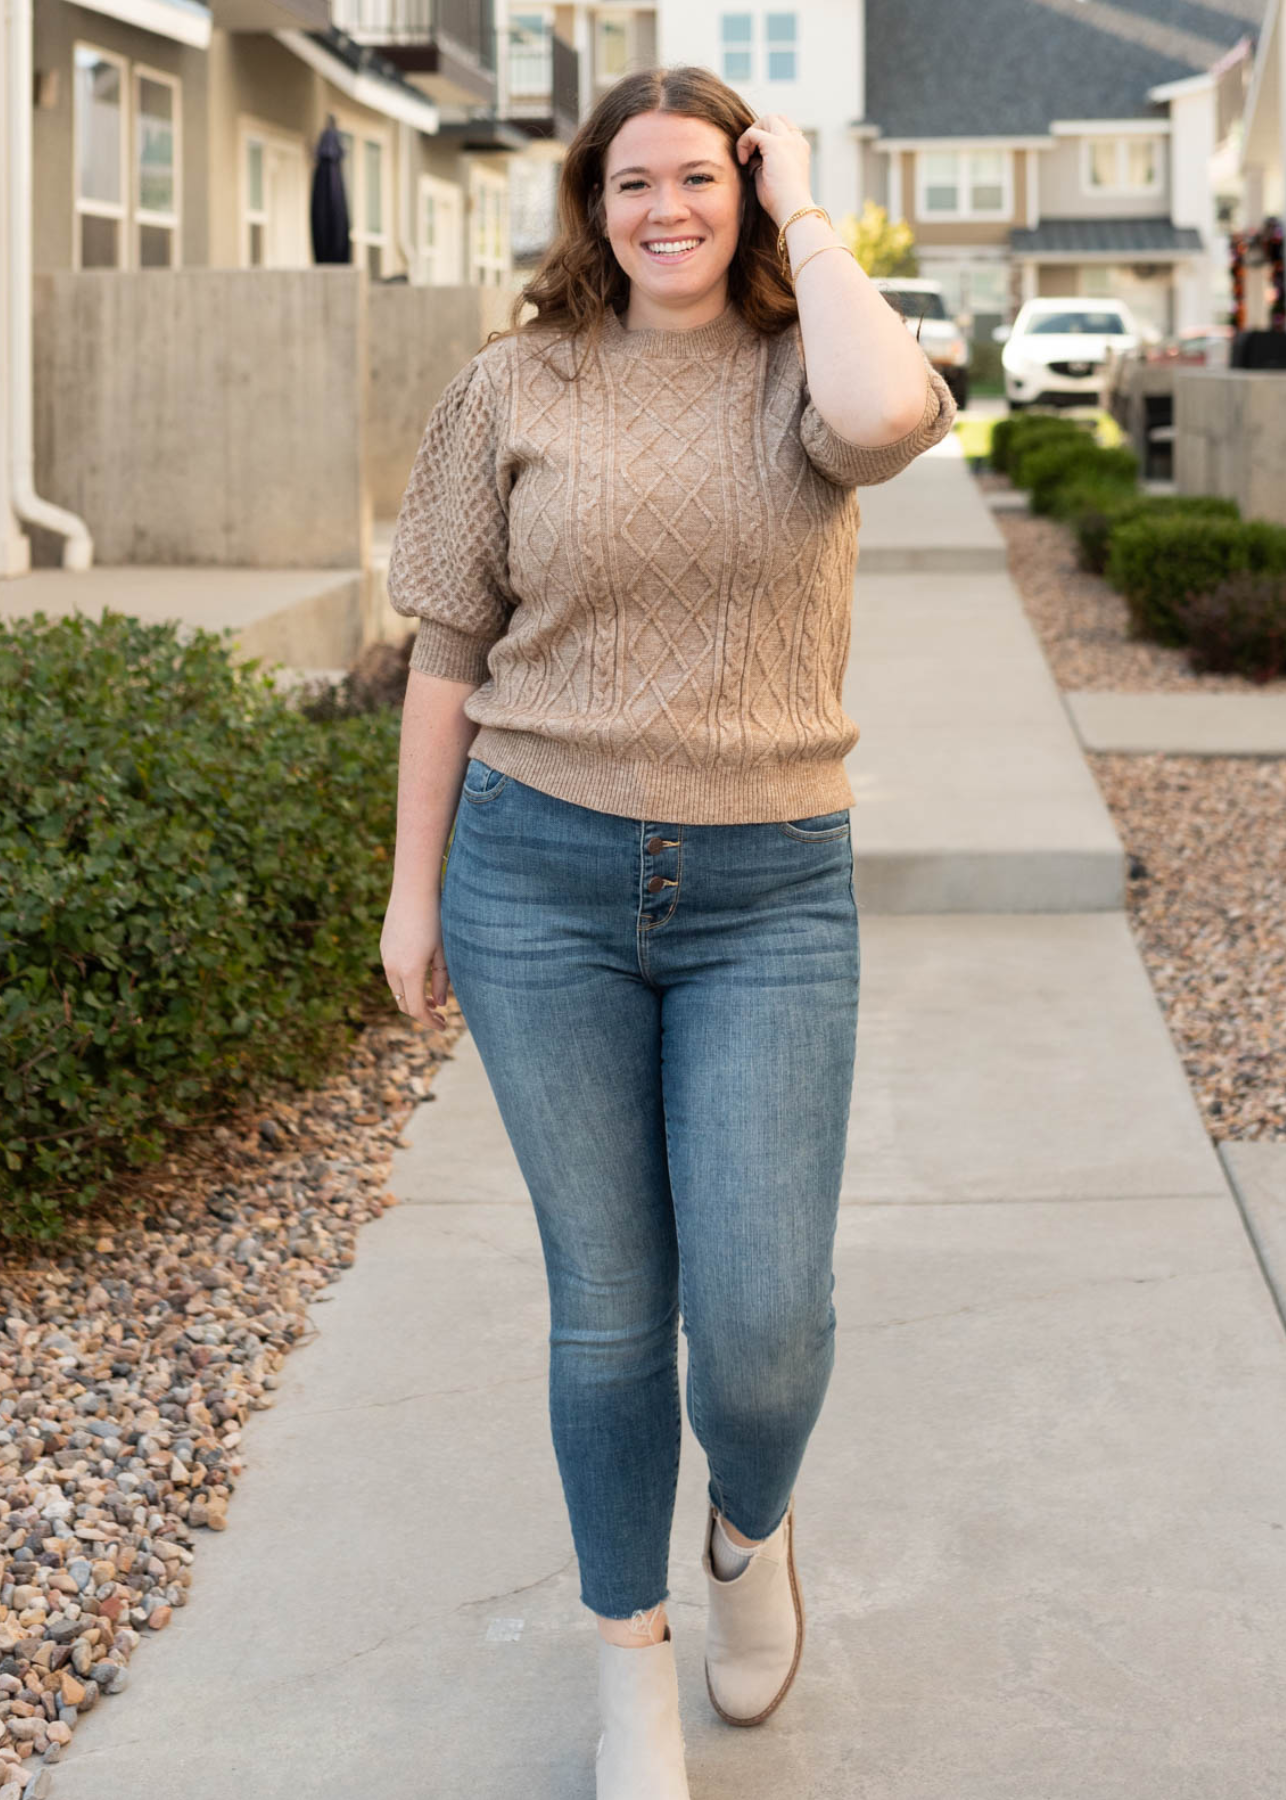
column 782, row 180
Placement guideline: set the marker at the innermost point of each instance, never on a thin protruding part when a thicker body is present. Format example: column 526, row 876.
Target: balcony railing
column 467, row 24
column 544, row 82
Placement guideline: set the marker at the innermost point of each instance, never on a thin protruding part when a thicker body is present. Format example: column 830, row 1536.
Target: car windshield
column 1070, row 324
column 915, row 303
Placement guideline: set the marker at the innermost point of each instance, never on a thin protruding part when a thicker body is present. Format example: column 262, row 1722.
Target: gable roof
column 997, row 68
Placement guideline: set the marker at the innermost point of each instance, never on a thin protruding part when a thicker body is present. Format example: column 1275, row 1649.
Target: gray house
column 1048, row 147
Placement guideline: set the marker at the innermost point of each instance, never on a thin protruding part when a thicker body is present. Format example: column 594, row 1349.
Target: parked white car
column 923, row 305
column 1055, row 350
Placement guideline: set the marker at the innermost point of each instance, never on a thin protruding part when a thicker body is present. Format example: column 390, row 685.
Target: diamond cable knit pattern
column 647, row 573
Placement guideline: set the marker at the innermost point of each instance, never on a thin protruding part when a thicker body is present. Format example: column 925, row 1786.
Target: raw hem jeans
column 667, row 1017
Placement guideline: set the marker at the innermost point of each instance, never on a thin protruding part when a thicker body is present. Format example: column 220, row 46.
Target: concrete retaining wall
column 419, row 338
column 211, row 416
column 1230, row 437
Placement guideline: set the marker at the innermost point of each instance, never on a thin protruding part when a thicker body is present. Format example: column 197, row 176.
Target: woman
column 629, row 537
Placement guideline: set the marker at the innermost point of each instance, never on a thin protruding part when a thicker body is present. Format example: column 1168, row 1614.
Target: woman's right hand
column 411, row 949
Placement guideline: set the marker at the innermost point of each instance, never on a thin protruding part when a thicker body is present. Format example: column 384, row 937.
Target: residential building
column 805, row 61
column 1058, row 149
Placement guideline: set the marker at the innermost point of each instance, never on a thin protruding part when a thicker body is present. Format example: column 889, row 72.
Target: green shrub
column 1238, row 628
column 1043, row 434
column 1156, row 562
column 1050, row 468
column 195, row 879
column 1018, row 429
column 1094, row 508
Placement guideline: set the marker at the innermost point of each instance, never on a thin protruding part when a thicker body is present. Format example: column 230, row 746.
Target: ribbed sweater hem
column 661, row 795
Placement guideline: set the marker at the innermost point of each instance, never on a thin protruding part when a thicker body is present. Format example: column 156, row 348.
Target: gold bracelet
column 812, row 253
column 800, row 213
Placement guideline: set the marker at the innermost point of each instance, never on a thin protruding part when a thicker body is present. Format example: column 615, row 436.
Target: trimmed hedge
column 1017, row 429
column 1156, row 562
column 1094, row 508
column 1238, row 628
column 196, row 875
column 1050, row 469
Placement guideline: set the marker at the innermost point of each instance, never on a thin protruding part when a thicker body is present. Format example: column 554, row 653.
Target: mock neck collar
column 706, row 340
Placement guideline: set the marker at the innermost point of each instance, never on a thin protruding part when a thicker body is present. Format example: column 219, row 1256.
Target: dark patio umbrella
column 329, row 202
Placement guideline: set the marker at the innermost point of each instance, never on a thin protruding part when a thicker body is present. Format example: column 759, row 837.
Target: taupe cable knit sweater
column 648, row 570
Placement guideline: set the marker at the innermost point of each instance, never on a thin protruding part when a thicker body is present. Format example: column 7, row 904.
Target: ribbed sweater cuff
column 866, row 464
column 442, row 650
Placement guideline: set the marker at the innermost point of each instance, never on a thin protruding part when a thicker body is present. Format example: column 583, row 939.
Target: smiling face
column 672, row 199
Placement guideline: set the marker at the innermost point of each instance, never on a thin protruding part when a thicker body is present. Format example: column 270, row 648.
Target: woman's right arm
column 436, row 736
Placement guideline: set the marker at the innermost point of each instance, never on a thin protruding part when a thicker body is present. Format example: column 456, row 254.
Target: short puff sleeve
column 448, row 564
column 851, row 465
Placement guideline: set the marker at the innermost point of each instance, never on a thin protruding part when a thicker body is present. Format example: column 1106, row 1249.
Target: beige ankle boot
column 755, row 1627
column 640, row 1752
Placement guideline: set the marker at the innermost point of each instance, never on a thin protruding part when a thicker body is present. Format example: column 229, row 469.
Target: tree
column 881, row 246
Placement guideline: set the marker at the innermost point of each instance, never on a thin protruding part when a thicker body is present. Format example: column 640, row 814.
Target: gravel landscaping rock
column 132, row 1355
column 1205, row 835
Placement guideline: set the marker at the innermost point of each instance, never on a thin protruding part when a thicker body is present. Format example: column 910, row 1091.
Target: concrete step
column 1245, row 724
column 972, row 793
column 306, row 618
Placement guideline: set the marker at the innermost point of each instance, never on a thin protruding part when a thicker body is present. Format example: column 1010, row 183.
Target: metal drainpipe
column 78, row 546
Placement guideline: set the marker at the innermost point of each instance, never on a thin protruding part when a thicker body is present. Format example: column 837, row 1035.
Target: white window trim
column 436, row 184
column 747, row 48
column 361, row 130
column 141, row 215
column 480, row 267
column 963, row 210
column 777, row 44
column 1120, row 185
column 250, row 126
column 101, row 209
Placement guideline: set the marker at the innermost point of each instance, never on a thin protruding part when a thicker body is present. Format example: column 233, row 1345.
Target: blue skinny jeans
column 667, row 1017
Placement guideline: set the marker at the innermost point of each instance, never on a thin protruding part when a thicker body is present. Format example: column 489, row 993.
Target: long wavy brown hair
column 579, row 278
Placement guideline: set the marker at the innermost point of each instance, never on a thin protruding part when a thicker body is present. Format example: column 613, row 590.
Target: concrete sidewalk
column 1040, row 1525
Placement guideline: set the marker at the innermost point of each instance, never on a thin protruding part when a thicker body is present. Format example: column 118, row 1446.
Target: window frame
column 360, row 134
column 83, row 207
column 964, row 209
column 140, row 215
column 731, row 47
column 1121, row 185
column 483, row 265
column 781, row 47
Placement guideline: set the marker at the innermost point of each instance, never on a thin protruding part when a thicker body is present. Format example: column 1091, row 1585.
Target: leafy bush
column 1156, row 562
column 1238, row 628
column 1051, row 467
column 1042, row 434
column 1094, row 508
column 1018, row 429
column 195, row 878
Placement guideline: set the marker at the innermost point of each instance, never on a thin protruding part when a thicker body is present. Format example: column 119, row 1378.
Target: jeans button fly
column 655, row 884
column 654, row 844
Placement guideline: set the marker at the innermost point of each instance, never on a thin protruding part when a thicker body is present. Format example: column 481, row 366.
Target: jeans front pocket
column 481, row 781
column 819, row 829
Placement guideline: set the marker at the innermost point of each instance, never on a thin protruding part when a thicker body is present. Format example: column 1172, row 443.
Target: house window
column 364, row 191
column 256, row 210
column 612, row 47
column 488, row 227
column 780, row 33
column 736, row 35
column 274, row 197
column 127, row 163
column 99, row 126
column 964, row 184
column 441, row 233
column 1122, row 165
column 156, row 211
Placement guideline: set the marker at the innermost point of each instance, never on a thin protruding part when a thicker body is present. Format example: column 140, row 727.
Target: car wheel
column 1019, row 405
column 962, row 392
